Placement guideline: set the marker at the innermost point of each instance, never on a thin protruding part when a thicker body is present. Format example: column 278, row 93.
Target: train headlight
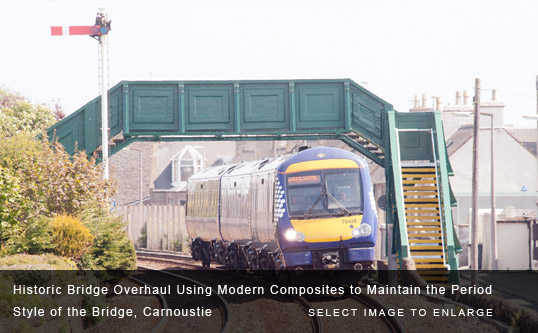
column 292, row 235
column 362, row 231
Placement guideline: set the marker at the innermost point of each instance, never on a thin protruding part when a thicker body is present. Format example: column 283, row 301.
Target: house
column 156, row 172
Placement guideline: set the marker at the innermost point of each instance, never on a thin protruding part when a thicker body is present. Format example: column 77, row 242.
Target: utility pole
column 474, row 221
column 536, row 192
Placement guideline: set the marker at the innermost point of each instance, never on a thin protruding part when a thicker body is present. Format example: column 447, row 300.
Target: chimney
column 424, row 101
column 438, row 103
column 416, row 102
column 494, row 95
column 458, row 97
column 466, row 98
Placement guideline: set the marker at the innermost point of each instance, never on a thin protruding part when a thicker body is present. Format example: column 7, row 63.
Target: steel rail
column 225, row 307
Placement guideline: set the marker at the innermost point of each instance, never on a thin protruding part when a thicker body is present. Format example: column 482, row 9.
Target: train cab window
column 344, row 190
column 303, row 193
column 324, row 192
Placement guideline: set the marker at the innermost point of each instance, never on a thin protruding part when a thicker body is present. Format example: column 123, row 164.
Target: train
column 313, row 209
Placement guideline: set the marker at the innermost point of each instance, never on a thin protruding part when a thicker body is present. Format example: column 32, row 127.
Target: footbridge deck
column 410, row 146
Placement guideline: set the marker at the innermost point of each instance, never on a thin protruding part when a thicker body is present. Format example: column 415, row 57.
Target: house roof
column 459, row 138
column 524, row 136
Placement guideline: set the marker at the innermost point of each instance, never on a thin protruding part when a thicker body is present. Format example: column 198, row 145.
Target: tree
column 18, row 115
column 57, row 183
column 13, row 204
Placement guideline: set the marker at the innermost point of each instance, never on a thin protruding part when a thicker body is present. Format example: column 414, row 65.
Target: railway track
column 159, row 278
column 394, row 324
column 317, row 323
column 181, row 260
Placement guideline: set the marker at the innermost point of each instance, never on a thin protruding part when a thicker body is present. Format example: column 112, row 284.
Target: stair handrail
column 447, row 212
column 397, row 179
column 441, row 211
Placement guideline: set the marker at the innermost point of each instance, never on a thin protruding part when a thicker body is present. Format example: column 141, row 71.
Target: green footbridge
column 410, row 146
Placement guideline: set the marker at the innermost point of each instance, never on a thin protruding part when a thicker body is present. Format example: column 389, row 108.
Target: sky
column 396, row 49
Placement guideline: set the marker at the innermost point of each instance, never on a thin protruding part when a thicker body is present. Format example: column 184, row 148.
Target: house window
column 185, row 164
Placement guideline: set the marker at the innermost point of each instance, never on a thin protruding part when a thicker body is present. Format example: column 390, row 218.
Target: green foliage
column 16, row 149
column 111, row 249
column 39, row 264
column 31, row 237
column 70, row 236
column 143, row 239
column 18, row 115
column 62, row 184
column 13, row 204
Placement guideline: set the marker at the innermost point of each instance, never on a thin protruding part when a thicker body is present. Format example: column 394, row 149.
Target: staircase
column 424, row 221
column 421, row 206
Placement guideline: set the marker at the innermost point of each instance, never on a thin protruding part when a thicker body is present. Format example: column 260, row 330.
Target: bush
column 16, row 149
column 63, row 184
column 13, row 204
column 18, row 115
column 111, row 248
column 71, row 237
column 143, row 239
column 31, row 237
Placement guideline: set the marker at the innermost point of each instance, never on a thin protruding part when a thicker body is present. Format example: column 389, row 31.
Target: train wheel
column 196, row 250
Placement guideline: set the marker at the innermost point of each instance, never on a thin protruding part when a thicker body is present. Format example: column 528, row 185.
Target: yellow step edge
column 420, row 200
column 422, row 224
column 418, row 169
column 422, row 217
column 419, row 182
column 421, row 242
column 422, row 206
column 430, row 266
column 425, row 247
column 424, row 229
column 420, row 211
column 431, row 235
column 417, row 253
column 415, row 193
column 424, row 241
column 418, row 175
column 421, row 188
column 428, row 259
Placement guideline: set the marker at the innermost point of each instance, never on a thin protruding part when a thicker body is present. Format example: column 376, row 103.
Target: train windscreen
column 327, row 192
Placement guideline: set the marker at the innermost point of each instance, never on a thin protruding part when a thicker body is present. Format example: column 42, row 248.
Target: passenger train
column 314, row 209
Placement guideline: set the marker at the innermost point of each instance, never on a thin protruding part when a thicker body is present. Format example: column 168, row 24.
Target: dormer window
column 186, row 163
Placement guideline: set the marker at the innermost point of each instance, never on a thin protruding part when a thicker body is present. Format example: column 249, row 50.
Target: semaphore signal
column 99, row 31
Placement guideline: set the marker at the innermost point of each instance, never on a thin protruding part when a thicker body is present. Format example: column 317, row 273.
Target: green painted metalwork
column 451, row 239
column 277, row 108
column 399, row 227
column 416, row 146
column 269, row 110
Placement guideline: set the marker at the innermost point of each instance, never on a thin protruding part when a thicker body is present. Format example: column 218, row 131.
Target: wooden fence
column 162, row 226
